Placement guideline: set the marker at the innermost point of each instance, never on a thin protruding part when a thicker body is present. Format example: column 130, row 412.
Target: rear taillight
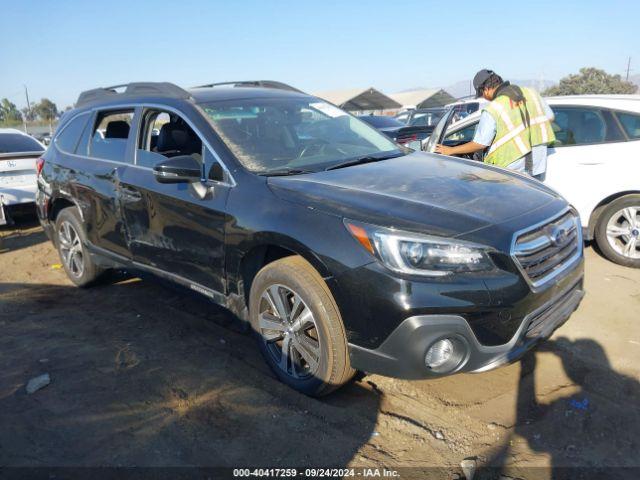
column 408, row 139
column 39, row 165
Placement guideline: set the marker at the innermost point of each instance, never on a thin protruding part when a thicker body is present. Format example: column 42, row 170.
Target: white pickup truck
column 18, row 155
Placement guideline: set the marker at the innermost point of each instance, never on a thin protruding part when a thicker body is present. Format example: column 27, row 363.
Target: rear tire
column 618, row 231
column 71, row 243
column 299, row 327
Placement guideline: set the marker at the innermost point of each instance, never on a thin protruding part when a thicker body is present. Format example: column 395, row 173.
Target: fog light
column 445, row 355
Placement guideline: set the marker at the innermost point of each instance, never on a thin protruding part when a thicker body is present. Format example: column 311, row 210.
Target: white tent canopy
column 426, row 98
column 359, row 99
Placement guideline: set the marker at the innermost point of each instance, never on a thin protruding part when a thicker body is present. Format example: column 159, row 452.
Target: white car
column 594, row 164
column 18, row 154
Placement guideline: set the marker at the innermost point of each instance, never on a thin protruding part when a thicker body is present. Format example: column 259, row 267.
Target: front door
column 177, row 229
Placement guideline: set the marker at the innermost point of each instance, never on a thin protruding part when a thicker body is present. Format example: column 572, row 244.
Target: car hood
column 420, row 192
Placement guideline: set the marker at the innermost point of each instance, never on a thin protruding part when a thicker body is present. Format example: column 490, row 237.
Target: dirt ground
column 142, row 375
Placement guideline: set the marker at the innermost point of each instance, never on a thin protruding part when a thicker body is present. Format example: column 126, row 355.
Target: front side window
column 274, row 134
column 165, row 135
column 584, row 126
column 68, row 138
column 110, row 135
column 631, row 124
column 461, row 136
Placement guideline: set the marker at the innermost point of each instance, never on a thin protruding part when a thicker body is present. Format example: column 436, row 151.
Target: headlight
column 418, row 254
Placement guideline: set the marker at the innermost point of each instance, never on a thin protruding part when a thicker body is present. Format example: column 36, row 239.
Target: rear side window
column 631, row 124
column 110, row 135
column 67, row 139
column 584, row 126
column 18, row 143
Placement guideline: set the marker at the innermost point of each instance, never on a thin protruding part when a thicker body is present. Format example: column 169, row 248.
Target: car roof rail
column 161, row 89
column 254, row 83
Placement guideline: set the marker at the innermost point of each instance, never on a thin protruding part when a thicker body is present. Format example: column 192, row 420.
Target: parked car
column 395, row 130
column 593, row 163
column 464, row 107
column 343, row 250
column 43, row 138
column 426, row 117
column 18, row 154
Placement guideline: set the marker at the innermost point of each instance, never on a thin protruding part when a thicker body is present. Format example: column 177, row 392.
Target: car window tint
column 164, row 135
column 631, row 124
column 462, row 136
column 110, row 135
column 580, row 126
column 68, row 137
column 18, row 143
column 614, row 134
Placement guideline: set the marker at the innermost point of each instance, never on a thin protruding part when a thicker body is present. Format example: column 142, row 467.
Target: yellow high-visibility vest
column 514, row 138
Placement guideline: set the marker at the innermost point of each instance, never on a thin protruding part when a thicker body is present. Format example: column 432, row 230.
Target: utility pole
column 628, row 68
column 26, row 94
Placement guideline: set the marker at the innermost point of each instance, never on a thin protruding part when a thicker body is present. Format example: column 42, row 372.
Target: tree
column 9, row 112
column 46, row 110
column 28, row 113
column 591, row 81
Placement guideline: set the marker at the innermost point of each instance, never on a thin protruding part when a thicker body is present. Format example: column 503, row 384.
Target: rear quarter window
column 18, row 143
column 68, row 137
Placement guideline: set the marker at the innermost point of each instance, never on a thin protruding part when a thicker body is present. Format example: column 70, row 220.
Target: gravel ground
column 143, row 375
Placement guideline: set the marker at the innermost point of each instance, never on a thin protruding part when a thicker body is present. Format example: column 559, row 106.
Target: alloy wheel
column 71, row 249
column 623, row 232
column 289, row 330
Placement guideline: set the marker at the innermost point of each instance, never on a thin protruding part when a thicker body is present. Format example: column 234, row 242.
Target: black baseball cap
column 481, row 77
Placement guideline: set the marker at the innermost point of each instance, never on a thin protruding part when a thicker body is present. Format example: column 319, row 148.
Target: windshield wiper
column 365, row 159
column 283, row 172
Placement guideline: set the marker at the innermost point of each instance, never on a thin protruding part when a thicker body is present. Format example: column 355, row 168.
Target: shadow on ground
column 596, row 416
column 144, row 376
column 23, row 234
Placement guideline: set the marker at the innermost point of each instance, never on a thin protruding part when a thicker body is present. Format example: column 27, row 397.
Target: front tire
column 618, row 231
column 299, row 327
column 71, row 241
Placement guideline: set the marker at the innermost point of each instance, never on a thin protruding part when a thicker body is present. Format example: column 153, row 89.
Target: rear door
column 104, row 151
column 583, row 162
column 177, row 229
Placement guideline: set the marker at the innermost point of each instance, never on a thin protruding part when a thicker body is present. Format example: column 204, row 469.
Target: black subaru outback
column 343, row 250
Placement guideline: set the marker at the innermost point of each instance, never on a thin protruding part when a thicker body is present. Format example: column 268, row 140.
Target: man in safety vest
column 515, row 126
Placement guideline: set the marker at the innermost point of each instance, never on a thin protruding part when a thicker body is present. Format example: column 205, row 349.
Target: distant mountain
column 464, row 88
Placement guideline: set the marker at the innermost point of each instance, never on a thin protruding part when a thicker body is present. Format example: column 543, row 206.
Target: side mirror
column 182, row 169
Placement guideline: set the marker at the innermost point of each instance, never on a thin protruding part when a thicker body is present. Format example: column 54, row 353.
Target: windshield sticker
column 327, row 109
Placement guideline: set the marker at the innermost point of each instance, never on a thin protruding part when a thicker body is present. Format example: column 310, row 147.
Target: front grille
column 544, row 251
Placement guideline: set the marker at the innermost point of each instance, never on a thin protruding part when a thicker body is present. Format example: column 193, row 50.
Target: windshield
column 381, row 122
column 293, row 133
column 426, row 119
column 18, row 143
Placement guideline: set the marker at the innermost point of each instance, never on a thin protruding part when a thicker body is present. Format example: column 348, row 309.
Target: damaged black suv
column 343, row 250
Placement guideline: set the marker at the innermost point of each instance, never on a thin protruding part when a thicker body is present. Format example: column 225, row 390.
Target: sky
column 59, row 48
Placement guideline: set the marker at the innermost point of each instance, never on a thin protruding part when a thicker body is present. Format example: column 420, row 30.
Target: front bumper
column 402, row 354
